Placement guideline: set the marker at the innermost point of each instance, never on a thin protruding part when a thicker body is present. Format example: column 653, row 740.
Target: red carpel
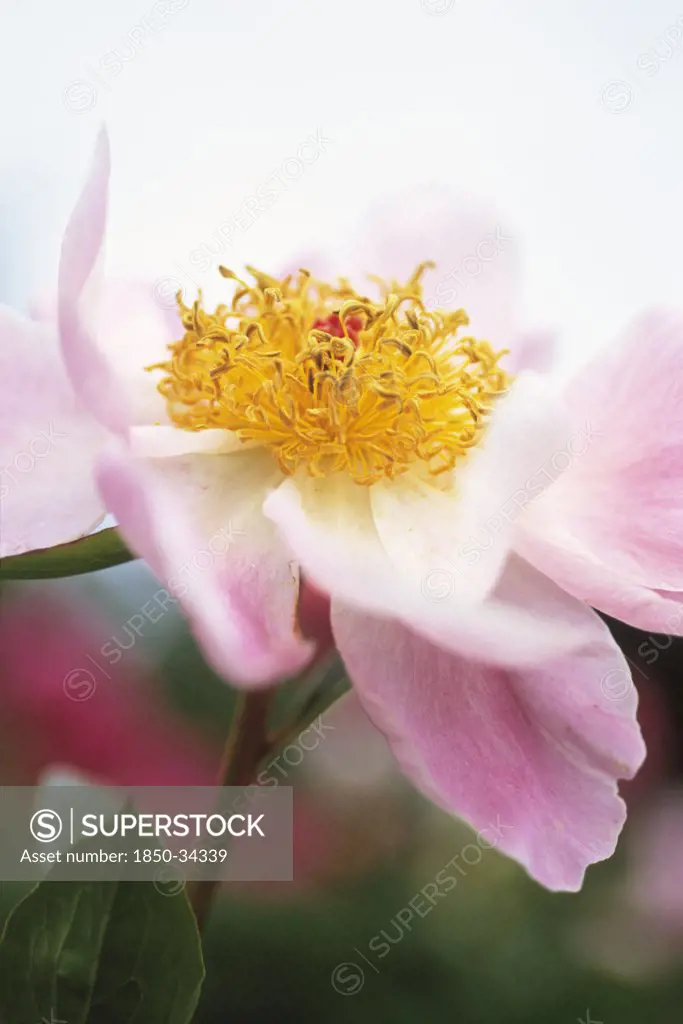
column 332, row 325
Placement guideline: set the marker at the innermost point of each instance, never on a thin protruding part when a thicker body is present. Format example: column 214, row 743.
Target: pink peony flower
column 372, row 446
column 57, row 712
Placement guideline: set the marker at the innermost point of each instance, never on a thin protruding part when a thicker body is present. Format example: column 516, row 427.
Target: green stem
column 250, row 743
column 244, row 748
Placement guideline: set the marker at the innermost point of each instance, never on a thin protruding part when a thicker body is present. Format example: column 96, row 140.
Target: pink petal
column 82, row 250
column 611, row 528
column 111, row 330
column 530, row 759
column 196, row 520
column 526, row 618
column 531, row 350
column 586, row 578
column 47, row 491
column 477, row 256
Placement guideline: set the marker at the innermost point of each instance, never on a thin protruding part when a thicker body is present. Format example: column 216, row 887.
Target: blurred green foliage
column 488, row 954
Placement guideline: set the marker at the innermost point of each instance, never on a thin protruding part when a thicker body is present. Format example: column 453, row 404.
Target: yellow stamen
column 332, row 381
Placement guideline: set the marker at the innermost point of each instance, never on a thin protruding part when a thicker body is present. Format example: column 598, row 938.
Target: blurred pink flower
column 655, row 877
column 58, row 711
column 637, row 929
column 495, row 685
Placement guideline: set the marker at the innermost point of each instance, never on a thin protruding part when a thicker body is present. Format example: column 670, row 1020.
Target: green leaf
column 96, row 551
column 100, row 953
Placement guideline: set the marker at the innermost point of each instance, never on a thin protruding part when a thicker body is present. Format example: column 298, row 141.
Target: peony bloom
column 383, row 448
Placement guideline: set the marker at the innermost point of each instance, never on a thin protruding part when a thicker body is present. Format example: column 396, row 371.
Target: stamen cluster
column 330, row 380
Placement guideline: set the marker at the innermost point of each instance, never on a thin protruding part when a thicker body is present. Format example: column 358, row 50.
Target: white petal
column 329, row 527
column 466, row 530
column 166, row 441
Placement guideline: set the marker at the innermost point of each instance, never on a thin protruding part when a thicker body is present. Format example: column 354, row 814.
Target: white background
column 510, row 100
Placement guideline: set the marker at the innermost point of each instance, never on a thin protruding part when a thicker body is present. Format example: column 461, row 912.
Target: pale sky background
column 560, row 112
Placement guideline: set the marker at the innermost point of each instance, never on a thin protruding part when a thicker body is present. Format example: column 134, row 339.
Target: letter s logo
column 46, row 826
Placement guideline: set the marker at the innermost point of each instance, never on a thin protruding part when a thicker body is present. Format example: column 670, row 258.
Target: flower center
column 330, row 380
